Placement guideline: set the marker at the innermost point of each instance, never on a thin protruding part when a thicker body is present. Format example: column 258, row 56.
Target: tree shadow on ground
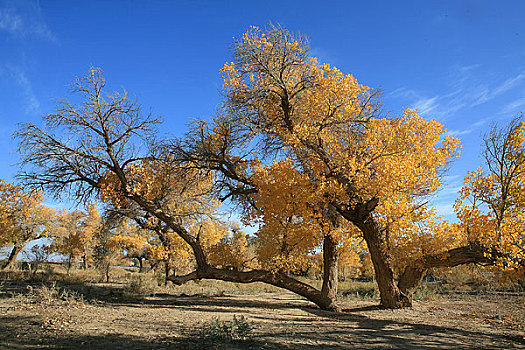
column 119, row 341
column 368, row 335
column 276, row 321
column 408, row 335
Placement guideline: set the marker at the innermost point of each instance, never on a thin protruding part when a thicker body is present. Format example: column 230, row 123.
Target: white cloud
column 17, row 76
column 481, row 122
column 509, row 84
column 460, row 132
column 23, row 19
column 514, row 106
column 426, row 105
column 446, row 210
column 405, row 93
column 467, row 91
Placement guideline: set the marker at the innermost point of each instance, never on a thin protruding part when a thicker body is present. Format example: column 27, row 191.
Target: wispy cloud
column 509, row 84
column 446, row 209
column 322, row 54
column 447, row 195
column 460, row 132
column 514, row 106
column 467, row 90
column 426, row 105
column 23, row 19
column 18, row 77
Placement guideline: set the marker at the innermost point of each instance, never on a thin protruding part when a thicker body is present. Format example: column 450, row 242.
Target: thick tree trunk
column 330, row 269
column 277, row 279
column 397, row 295
column 413, row 275
column 411, row 279
column 391, row 296
column 84, row 262
column 17, row 248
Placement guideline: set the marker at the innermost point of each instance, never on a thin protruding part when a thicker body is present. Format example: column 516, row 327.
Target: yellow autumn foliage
column 491, row 205
column 22, row 214
column 335, row 150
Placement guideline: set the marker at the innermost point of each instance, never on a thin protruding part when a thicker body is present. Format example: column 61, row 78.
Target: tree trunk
column 411, row 279
column 361, row 216
column 69, row 263
column 141, row 264
column 84, row 262
column 169, row 268
column 17, row 248
column 277, row 279
column 330, row 270
column 391, row 296
column 107, row 267
column 166, row 272
column 413, row 274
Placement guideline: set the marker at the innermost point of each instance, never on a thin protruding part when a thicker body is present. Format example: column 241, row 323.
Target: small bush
column 139, row 288
column 236, row 329
column 427, row 292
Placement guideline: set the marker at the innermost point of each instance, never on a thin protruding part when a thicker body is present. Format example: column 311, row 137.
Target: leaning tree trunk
column 325, row 298
column 205, row 271
column 413, row 274
column 17, row 248
column 277, row 279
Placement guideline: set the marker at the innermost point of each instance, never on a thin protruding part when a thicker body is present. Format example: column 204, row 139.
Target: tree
column 104, row 253
column 23, row 218
column 37, row 255
column 109, row 157
column 73, row 234
column 491, row 206
column 347, row 167
column 129, row 239
column 300, row 147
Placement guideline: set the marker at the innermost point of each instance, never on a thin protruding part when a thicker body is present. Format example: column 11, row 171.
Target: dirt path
column 279, row 321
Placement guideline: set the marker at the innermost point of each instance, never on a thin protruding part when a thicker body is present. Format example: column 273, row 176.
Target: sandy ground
column 278, row 320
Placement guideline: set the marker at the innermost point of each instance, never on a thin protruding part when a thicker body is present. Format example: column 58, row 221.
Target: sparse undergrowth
column 237, row 329
column 139, row 288
column 52, row 305
column 47, row 313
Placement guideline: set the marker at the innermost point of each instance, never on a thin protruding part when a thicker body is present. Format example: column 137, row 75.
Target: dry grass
column 53, row 305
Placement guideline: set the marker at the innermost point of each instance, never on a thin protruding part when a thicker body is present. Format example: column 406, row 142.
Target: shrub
column 236, row 329
column 139, row 288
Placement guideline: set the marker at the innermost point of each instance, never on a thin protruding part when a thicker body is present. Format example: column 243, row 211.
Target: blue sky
column 460, row 62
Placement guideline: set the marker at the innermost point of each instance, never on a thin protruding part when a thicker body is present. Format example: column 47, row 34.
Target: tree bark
column 277, row 279
column 107, row 267
column 330, row 269
column 141, row 264
column 413, row 274
column 17, row 248
column 84, row 262
column 391, row 296
column 69, row 263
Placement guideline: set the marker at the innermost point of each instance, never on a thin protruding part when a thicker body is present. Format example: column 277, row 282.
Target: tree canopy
column 305, row 152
